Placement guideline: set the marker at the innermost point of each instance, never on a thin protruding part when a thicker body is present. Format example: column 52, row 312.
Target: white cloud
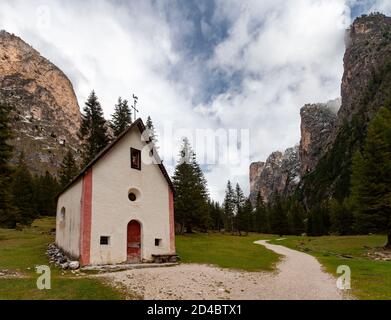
column 383, row 6
column 294, row 56
column 278, row 54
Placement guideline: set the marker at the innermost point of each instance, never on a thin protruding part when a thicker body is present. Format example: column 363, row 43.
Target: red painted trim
column 172, row 220
column 85, row 219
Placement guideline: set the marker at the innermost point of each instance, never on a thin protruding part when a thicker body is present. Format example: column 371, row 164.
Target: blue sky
column 215, row 64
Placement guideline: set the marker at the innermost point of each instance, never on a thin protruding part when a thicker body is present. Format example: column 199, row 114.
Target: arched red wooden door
column 134, row 242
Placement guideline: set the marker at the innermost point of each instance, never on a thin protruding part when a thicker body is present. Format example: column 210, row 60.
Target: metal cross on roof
column 135, row 100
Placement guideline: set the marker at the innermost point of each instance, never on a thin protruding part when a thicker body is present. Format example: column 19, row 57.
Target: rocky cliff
column 330, row 138
column 366, row 86
column 280, row 174
column 368, row 47
column 46, row 114
column 317, row 124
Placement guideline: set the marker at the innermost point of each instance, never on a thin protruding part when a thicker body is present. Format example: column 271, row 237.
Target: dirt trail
column 298, row 276
column 301, row 276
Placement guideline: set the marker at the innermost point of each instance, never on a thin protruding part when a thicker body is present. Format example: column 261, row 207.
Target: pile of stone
column 8, row 273
column 379, row 254
column 60, row 259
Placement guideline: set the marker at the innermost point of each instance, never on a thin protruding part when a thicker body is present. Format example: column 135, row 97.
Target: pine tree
column 23, row 193
column 191, row 195
column 152, row 131
column 244, row 216
column 216, row 216
column 239, row 203
column 93, row 131
column 278, row 217
column 68, row 170
column 239, row 198
column 8, row 212
column 122, row 117
column 46, row 188
column 371, row 178
column 296, row 217
column 201, row 195
column 229, row 207
column 182, row 182
column 341, row 217
column 309, row 229
column 318, row 221
column 261, row 223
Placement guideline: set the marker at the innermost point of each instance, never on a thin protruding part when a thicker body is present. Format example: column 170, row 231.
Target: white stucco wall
column 68, row 231
column 112, row 211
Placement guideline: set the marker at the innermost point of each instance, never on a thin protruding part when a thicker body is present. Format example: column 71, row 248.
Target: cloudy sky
column 199, row 64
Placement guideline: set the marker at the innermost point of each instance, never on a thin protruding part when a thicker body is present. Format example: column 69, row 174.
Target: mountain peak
column 47, row 114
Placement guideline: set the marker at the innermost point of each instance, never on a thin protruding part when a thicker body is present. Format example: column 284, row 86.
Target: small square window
column 104, row 241
column 158, row 242
column 135, row 159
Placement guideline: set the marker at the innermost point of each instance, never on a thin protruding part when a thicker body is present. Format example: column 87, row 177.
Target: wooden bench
column 165, row 258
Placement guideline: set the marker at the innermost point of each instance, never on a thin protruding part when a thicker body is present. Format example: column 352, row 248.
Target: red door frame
column 133, row 242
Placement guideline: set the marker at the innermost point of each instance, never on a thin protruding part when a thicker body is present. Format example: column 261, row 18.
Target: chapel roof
column 140, row 125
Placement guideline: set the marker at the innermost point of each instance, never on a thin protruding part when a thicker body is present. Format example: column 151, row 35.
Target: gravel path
column 301, row 276
column 298, row 276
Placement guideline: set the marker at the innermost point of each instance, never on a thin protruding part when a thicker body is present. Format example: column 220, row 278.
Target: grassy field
column 370, row 279
column 21, row 251
column 226, row 251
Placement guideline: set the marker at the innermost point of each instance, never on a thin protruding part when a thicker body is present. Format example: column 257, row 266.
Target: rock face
column 256, row 169
column 46, row 113
column 317, row 124
column 325, row 127
column 290, row 169
column 265, row 177
column 368, row 46
column 366, row 86
column 280, row 174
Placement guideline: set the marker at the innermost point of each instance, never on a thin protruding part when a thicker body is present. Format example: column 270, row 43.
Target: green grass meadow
column 21, row 251
column 226, row 251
